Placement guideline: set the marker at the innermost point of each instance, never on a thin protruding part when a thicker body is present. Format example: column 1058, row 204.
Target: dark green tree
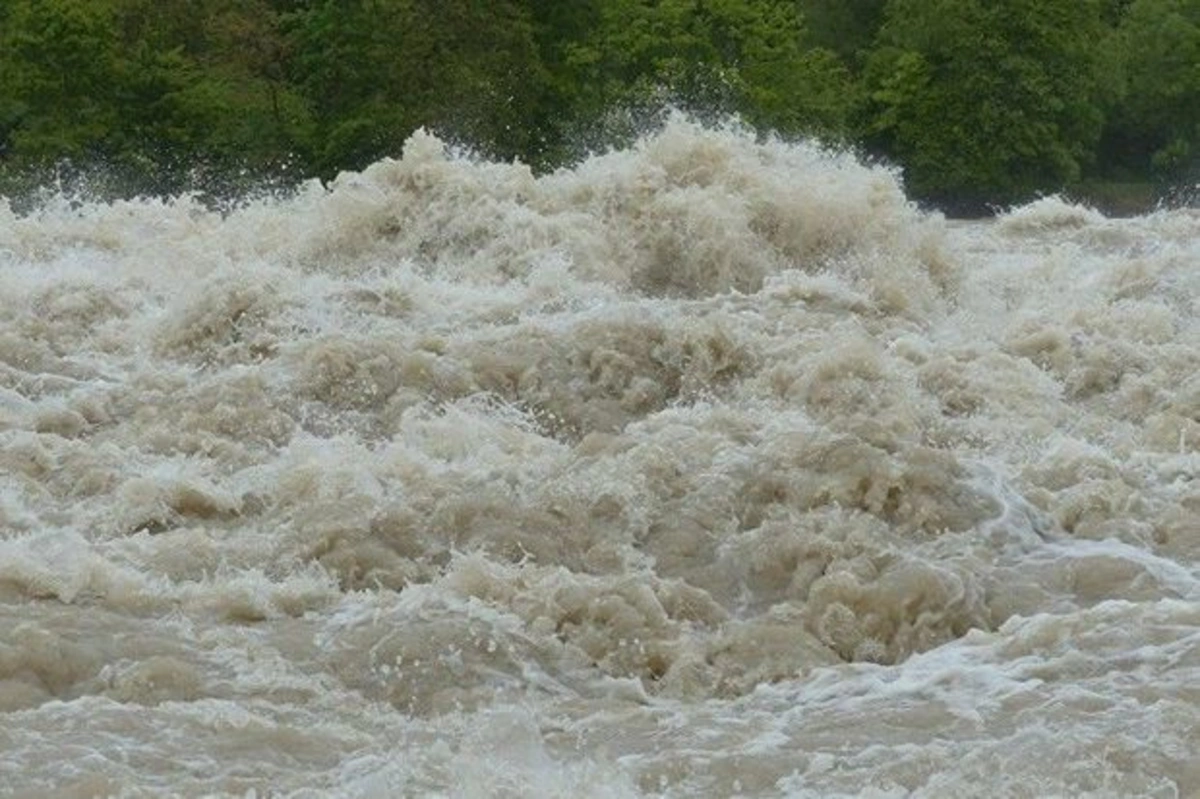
column 981, row 102
column 375, row 70
column 713, row 57
column 60, row 64
column 144, row 97
column 558, row 29
column 986, row 102
column 846, row 27
column 1160, row 117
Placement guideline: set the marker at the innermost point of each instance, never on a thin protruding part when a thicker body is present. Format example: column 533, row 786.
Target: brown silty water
column 709, row 467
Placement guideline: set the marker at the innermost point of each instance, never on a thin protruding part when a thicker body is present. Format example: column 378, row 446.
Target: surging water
column 709, row 467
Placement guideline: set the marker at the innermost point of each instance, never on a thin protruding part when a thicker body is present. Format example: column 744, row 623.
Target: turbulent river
column 710, row 467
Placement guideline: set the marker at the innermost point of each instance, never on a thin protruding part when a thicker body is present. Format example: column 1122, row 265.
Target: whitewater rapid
column 709, row 467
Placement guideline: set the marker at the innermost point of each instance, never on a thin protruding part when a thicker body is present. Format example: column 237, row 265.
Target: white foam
column 711, row 466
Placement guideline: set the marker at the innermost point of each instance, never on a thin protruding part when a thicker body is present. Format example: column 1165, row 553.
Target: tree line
column 983, row 103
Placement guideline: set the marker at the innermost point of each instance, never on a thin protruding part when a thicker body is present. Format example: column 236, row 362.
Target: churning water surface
column 709, row 467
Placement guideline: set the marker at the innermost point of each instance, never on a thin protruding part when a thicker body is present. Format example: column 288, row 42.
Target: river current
column 709, row 467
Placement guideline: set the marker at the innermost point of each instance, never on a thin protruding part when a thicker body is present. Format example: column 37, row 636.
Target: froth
column 709, row 466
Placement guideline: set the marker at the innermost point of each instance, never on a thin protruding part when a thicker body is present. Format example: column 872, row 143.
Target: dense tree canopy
column 988, row 101
column 374, row 70
column 1162, row 108
column 713, row 55
column 980, row 102
column 160, row 97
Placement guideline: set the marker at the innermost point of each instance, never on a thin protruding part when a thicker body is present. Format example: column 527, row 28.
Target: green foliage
column 152, row 97
column 847, row 27
column 713, row 57
column 986, row 101
column 60, row 64
column 980, row 101
column 1162, row 105
column 374, row 70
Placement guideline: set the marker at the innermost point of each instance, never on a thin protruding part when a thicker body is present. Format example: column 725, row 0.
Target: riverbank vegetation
column 981, row 103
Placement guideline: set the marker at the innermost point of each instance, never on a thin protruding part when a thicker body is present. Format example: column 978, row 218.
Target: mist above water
column 708, row 467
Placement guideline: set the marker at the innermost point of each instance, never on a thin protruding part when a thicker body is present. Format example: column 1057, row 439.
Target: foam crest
column 687, row 211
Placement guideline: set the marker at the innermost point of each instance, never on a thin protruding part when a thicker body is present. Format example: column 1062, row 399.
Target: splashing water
column 708, row 467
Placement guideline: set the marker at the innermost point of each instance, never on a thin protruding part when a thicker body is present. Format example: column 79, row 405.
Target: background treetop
column 981, row 103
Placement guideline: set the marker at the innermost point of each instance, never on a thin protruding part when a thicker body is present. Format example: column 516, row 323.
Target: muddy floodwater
column 709, row 467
